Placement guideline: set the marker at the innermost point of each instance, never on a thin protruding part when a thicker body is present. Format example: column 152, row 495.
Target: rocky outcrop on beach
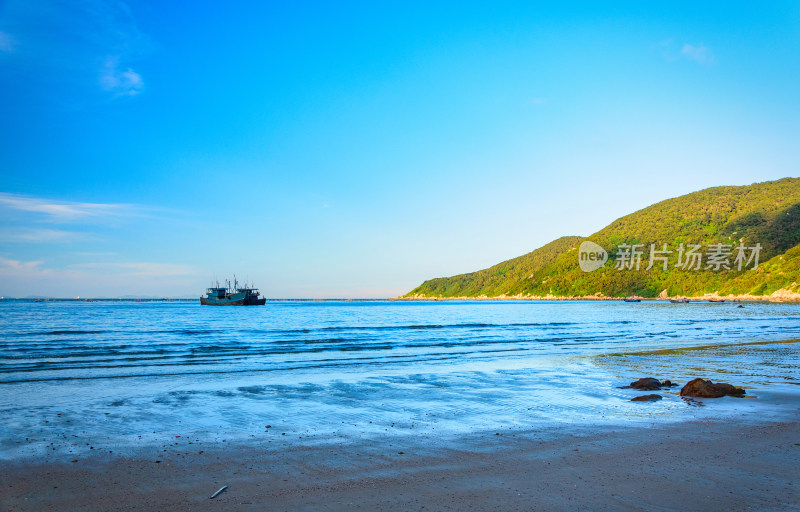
column 698, row 388
column 646, row 398
column 649, row 384
column 701, row 388
column 646, row 384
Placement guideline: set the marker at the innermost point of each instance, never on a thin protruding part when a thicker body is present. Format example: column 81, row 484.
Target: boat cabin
column 216, row 293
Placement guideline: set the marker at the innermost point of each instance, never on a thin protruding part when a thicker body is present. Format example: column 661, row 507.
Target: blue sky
column 356, row 149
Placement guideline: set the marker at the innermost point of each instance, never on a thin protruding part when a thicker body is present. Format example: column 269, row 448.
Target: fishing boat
column 232, row 295
column 682, row 300
column 632, row 298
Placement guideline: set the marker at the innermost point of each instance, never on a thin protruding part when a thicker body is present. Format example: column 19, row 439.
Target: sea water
column 134, row 374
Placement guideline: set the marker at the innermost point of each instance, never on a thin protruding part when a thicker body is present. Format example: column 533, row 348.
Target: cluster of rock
column 698, row 388
column 646, row 398
column 649, row 384
column 702, row 388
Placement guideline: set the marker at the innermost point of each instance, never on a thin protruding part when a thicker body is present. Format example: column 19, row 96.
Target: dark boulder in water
column 646, row 384
column 730, row 389
column 646, row 398
column 667, row 384
column 701, row 388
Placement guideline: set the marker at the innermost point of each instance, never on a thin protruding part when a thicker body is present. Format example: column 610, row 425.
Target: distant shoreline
column 780, row 296
column 168, row 299
column 776, row 297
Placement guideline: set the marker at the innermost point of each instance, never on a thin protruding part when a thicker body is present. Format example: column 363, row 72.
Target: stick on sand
column 218, row 492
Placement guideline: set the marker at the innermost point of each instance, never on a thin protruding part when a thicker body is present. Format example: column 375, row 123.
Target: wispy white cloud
column 142, row 268
column 75, row 43
column 699, row 53
column 120, row 82
column 673, row 51
column 667, row 49
column 6, row 42
column 26, row 267
column 27, row 235
column 20, row 277
column 64, row 211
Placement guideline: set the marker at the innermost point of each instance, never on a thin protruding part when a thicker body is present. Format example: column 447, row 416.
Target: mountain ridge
column 767, row 214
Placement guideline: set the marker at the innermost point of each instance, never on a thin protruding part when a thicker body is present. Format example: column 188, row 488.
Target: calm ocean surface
column 129, row 374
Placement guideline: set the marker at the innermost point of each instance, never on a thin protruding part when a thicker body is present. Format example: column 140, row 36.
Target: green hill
column 495, row 280
column 763, row 213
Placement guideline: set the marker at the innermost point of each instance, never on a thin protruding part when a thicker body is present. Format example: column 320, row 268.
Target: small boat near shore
column 682, row 300
column 632, row 298
column 232, row 295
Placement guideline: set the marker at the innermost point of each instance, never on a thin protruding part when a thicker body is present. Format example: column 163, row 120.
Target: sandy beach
column 685, row 466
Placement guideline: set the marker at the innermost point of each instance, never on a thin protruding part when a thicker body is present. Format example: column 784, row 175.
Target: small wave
column 410, row 327
column 63, row 332
column 190, row 332
column 214, row 348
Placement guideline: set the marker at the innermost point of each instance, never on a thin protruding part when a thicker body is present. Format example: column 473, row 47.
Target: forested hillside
column 739, row 219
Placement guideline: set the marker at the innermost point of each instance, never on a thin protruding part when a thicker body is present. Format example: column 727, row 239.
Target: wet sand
column 710, row 465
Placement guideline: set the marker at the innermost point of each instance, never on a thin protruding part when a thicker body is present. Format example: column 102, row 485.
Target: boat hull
column 246, row 301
